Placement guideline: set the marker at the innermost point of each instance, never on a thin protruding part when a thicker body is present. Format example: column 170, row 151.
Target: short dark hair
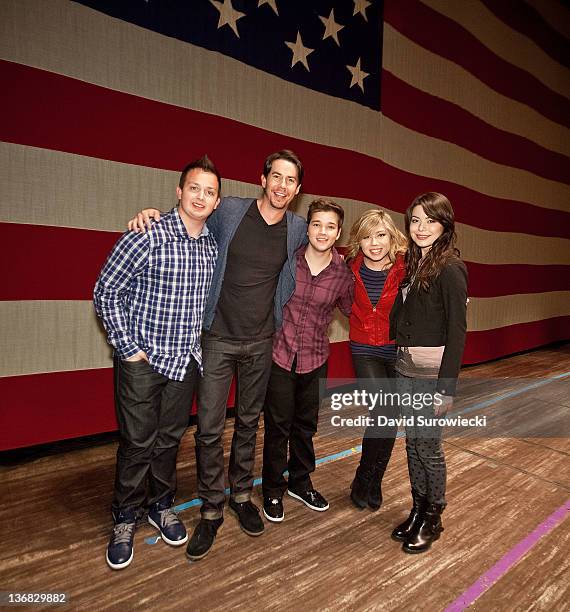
column 287, row 155
column 205, row 164
column 322, row 205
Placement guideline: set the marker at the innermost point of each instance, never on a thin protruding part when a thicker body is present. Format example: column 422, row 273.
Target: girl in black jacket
column 428, row 322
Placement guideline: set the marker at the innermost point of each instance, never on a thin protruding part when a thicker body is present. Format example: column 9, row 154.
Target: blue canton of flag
column 332, row 47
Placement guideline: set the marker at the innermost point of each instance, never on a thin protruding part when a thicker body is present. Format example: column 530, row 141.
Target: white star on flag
column 332, row 28
column 300, row 52
column 358, row 75
column 272, row 4
column 228, row 15
column 360, row 6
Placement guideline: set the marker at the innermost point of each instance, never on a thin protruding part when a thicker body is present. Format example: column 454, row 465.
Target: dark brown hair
column 437, row 207
column 322, row 205
column 287, row 155
column 205, row 164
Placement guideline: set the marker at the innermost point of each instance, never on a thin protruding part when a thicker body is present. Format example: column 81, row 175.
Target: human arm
column 346, row 298
column 142, row 220
column 112, row 289
column 453, row 285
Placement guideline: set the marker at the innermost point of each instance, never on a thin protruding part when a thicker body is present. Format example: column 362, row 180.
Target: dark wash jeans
column 291, row 415
column 152, row 412
column 251, row 362
column 378, row 442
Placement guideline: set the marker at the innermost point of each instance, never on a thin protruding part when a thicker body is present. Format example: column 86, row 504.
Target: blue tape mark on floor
column 357, row 449
column 514, row 393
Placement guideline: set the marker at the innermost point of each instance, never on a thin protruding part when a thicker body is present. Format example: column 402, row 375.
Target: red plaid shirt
column 308, row 314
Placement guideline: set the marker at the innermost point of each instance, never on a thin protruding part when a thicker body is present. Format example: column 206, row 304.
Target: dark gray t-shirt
column 256, row 255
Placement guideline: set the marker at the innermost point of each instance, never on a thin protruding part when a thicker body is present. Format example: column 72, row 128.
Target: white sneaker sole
column 120, row 566
column 171, row 542
column 272, row 519
column 306, row 503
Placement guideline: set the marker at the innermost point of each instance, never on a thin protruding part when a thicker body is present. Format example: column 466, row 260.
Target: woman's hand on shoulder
column 142, row 221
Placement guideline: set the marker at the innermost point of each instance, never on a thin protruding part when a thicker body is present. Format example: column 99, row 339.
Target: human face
column 424, row 231
column 281, row 184
column 199, row 197
column 376, row 247
column 323, row 230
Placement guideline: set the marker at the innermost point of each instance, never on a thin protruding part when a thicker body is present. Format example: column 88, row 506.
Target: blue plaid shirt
column 152, row 291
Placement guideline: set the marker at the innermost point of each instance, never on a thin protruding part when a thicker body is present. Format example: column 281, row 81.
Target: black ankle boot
column 375, row 492
column 361, row 484
column 375, row 488
column 403, row 531
column 427, row 531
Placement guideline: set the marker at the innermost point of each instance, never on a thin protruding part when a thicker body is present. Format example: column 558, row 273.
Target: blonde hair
column 362, row 228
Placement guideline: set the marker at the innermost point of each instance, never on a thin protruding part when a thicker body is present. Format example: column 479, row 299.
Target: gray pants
column 426, row 459
column 250, row 361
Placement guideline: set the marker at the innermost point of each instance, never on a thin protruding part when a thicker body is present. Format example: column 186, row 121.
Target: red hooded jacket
column 371, row 324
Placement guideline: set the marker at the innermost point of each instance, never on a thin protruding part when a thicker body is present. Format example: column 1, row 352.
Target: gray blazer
column 223, row 223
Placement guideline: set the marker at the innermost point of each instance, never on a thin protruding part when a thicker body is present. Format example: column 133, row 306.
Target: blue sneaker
column 120, row 550
column 162, row 516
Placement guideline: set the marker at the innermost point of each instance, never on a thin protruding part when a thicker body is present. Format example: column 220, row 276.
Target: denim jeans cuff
column 244, row 496
column 212, row 515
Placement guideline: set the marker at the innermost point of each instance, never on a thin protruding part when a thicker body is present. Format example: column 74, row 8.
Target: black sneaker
column 120, row 550
column 203, row 538
column 171, row 528
column 248, row 517
column 311, row 498
column 273, row 509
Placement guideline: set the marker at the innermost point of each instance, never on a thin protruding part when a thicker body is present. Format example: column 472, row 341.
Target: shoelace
column 123, row 532
column 168, row 517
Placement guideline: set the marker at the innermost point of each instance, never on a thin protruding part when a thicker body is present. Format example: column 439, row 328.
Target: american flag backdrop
column 104, row 102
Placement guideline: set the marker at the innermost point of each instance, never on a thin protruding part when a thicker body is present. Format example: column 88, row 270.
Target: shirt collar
column 336, row 260
column 181, row 228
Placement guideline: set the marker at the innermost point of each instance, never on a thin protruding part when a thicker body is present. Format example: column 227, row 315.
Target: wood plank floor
column 55, row 522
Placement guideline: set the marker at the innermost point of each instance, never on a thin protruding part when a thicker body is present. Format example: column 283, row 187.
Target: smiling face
column 281, row 184
column 424, row 231
column 375, row 247
column 323, row 230
column 198, row 198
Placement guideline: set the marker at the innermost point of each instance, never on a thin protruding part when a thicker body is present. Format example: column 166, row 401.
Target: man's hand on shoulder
column 142, row 220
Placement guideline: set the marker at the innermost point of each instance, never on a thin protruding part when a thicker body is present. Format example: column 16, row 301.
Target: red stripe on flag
column 52, row 263
column 493, row 280
column 446, row 38
column 446, row 121
column 527, row 20
column 43, row 408
column 73, row 259
column 493, row 343
column 56, row 112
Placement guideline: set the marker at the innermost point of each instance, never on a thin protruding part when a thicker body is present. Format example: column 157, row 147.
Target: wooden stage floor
column 506, row 543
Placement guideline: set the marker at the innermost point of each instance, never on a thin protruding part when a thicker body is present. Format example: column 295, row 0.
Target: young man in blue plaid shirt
column 151, row 295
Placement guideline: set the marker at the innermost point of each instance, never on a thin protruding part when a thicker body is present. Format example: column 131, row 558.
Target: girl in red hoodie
column 375, row 252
